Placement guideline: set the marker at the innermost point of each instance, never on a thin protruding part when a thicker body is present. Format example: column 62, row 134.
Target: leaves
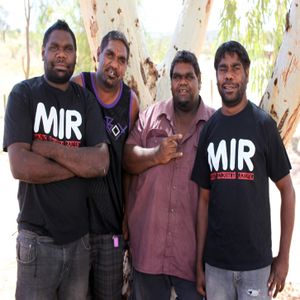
column 259, row 26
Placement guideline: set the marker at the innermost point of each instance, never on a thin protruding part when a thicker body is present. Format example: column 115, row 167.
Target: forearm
column 287, row 222
column 137, row 159
column 202, row 219
column 33, row 168
column 83, row 161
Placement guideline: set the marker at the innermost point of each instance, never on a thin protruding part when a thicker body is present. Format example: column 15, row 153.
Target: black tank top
column 106, row 197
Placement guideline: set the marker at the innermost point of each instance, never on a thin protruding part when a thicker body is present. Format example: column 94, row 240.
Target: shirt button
column 174, row 187
column 172, row 210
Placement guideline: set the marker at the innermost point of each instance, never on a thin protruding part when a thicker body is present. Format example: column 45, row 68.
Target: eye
column 176, row 77
column 69, row 49
column 122, row 61
column 53, row 48
column 190, row 77
column 109, row 55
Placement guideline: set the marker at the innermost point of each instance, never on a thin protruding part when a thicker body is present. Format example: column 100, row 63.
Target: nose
column 228, row 75
column 114, row 63
column 61, row 53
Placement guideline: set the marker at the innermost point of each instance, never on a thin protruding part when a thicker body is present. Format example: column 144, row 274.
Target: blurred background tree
column 259, row 25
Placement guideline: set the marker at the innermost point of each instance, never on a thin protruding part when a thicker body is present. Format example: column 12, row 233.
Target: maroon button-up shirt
column 162, row 204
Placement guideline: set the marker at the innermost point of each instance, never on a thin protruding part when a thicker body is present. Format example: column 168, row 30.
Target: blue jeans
column 158, row 287
column 50, row 271
column 232, row 285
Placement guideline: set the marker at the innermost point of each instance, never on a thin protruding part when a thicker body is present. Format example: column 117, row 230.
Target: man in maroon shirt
column 162, row 202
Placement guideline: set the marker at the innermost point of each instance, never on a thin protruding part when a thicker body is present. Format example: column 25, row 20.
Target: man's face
column 232, row 80
column 112, row 63
column 185, row 86
column 59, row 56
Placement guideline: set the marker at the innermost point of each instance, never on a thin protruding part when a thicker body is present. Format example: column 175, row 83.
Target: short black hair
column 59, row 25
column 188, row 57
column 114, row 35
column 232, row 47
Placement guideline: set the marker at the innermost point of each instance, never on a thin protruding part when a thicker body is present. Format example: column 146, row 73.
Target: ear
column 98, row 53
column 43, row 53
column 199, row 81
column 247, row 74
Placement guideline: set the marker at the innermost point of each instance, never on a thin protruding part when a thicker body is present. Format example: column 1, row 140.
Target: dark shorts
column 159, row 287
column 106, row 273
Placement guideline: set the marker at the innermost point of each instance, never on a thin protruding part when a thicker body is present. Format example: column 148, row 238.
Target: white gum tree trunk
column 282, row 96
column 189, row 35
column 148, row 81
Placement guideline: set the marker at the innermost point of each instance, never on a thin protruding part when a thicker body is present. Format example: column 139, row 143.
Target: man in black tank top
column 119, row 106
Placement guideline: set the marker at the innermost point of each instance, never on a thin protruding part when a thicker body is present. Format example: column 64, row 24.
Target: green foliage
column 260, row 29
column 48, row 12
column 157, row 47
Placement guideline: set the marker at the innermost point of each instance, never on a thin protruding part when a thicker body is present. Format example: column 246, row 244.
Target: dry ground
column 9, row 209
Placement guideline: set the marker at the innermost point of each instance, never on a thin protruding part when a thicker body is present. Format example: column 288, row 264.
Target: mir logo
column 240, row 153
column 59, row 123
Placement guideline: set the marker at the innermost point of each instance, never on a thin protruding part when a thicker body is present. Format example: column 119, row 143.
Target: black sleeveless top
column 106, row 196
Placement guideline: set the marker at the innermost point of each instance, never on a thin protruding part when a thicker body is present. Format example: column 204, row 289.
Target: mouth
column 183, row 91
column 229, row 87
column 61, row 67
column 112, row 74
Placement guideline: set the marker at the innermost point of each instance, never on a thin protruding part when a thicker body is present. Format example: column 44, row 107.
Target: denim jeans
column 232, row 285
column 158, row 287
column 50, row 271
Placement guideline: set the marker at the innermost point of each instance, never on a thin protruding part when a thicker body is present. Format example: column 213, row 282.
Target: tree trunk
column 148, row 82
column 282, row 96
column 188, row 35
column 26, row 62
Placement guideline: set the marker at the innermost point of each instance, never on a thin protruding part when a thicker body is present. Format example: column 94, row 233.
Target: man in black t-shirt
column 239, row 150
column 53, row 148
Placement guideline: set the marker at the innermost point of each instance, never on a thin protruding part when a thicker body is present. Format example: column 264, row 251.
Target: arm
column 83, row 161
column 202, row 218
column 33, row 168
column 280, row 265
column 134, row 110
column 126, row 186
column 138, row 159
column 77, row 79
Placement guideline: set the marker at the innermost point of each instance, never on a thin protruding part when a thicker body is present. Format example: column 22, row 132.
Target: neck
column 184, row 120
column 60, row 86
column 231, row 111
column 106, row 94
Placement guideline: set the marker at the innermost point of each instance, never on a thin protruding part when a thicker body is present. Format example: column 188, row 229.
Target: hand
column 279, row 270
column 200, row 282
column 167, row 150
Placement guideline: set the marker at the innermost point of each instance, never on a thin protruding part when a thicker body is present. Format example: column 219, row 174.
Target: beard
column 58, row 77
column 186, row 105
column 235, row 100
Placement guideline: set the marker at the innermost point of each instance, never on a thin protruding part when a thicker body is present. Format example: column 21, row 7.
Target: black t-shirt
column 37, row 110
column 106, row 193
column 236, row 156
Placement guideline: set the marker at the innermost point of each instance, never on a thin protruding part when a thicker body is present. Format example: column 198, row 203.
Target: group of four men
column 194, row 204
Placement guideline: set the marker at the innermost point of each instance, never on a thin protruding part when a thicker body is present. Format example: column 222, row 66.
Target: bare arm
column 202, row 219
column 77, row 79
column 280, row 263
column 83, row 161
column 134, row 110
column 33, row 168
column 138, row 159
